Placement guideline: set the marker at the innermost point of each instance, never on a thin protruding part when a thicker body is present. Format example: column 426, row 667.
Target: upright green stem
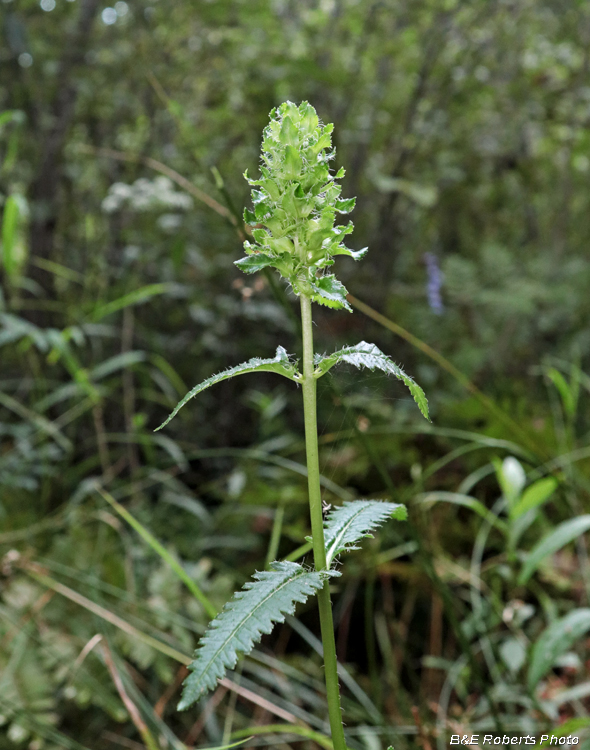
column 317, row 527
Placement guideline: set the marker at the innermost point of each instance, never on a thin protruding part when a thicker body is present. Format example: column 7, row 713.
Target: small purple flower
column 434, row 283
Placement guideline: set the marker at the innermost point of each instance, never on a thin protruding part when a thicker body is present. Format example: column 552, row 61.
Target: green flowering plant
column 296, row 202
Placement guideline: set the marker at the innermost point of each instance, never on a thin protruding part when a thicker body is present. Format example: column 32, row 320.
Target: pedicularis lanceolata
column 296, row 202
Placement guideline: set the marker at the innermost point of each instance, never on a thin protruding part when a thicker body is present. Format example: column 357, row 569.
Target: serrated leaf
column 10, row 222
column 330, row 292
column 345, row 206
column 249, row 217
column 280, row 363
column 353, row 521
column 563, row 534
column 255, row 262
column 242, row 622
column 370, row 356
column 558, row 638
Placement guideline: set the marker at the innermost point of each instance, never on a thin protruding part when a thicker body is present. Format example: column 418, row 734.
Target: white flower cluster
column 146, row 195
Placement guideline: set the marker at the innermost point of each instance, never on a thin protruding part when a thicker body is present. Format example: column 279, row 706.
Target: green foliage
column 371, row 357
column 295, row 206
column 563, row 534
column 280, row 363
column 10, row 221
column 251, row 613
column 353, row 521
column 558, row 638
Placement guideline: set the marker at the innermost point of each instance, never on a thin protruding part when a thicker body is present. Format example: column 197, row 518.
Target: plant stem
column 317, row 527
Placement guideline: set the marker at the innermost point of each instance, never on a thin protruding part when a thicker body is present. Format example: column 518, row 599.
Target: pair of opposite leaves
column 274, row 593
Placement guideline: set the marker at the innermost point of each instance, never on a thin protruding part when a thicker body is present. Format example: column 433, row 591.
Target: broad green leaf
column 10, row 222
column 563, row 534
column 370, row 356
column 328, row 291
column 280, row 364
column 534, row 496
column 353, row 521
column 558, row 638
column 242, row 622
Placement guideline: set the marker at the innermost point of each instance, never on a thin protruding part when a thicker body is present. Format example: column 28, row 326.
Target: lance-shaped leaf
column 347, row 525
column 280, row 364
column 370, row 356
column 252, row 612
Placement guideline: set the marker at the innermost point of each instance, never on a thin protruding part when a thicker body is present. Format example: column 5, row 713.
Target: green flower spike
column 295, row 206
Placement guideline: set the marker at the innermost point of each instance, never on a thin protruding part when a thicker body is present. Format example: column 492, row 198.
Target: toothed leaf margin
column 240, row 625
column 347, row 525
column 370, row 356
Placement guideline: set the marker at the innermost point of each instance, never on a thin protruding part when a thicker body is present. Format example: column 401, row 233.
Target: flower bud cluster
column 296, row 202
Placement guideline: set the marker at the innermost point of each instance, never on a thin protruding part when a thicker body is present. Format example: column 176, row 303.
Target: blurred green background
column 464, row 128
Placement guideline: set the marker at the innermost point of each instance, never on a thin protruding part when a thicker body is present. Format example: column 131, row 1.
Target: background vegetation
column 124, row 133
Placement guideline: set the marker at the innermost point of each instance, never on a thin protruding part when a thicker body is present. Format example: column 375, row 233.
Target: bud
column 296, row 202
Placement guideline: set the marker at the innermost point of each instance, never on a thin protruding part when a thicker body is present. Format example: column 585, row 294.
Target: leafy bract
column 280, row 364
column 256, row 262
column 370, row 356
column 558, row 638
column 241, row 623
column 330, row 292
column 353, row 521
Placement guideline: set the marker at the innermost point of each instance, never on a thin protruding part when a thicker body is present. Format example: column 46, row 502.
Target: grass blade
column 162, row 552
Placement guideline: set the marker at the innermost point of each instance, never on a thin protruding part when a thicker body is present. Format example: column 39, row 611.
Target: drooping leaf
column 280, row 364
column 347, row 525
column 560, row 536
column 558, row 638
column 242, row 622
column 328, row 291
column 370, row 356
